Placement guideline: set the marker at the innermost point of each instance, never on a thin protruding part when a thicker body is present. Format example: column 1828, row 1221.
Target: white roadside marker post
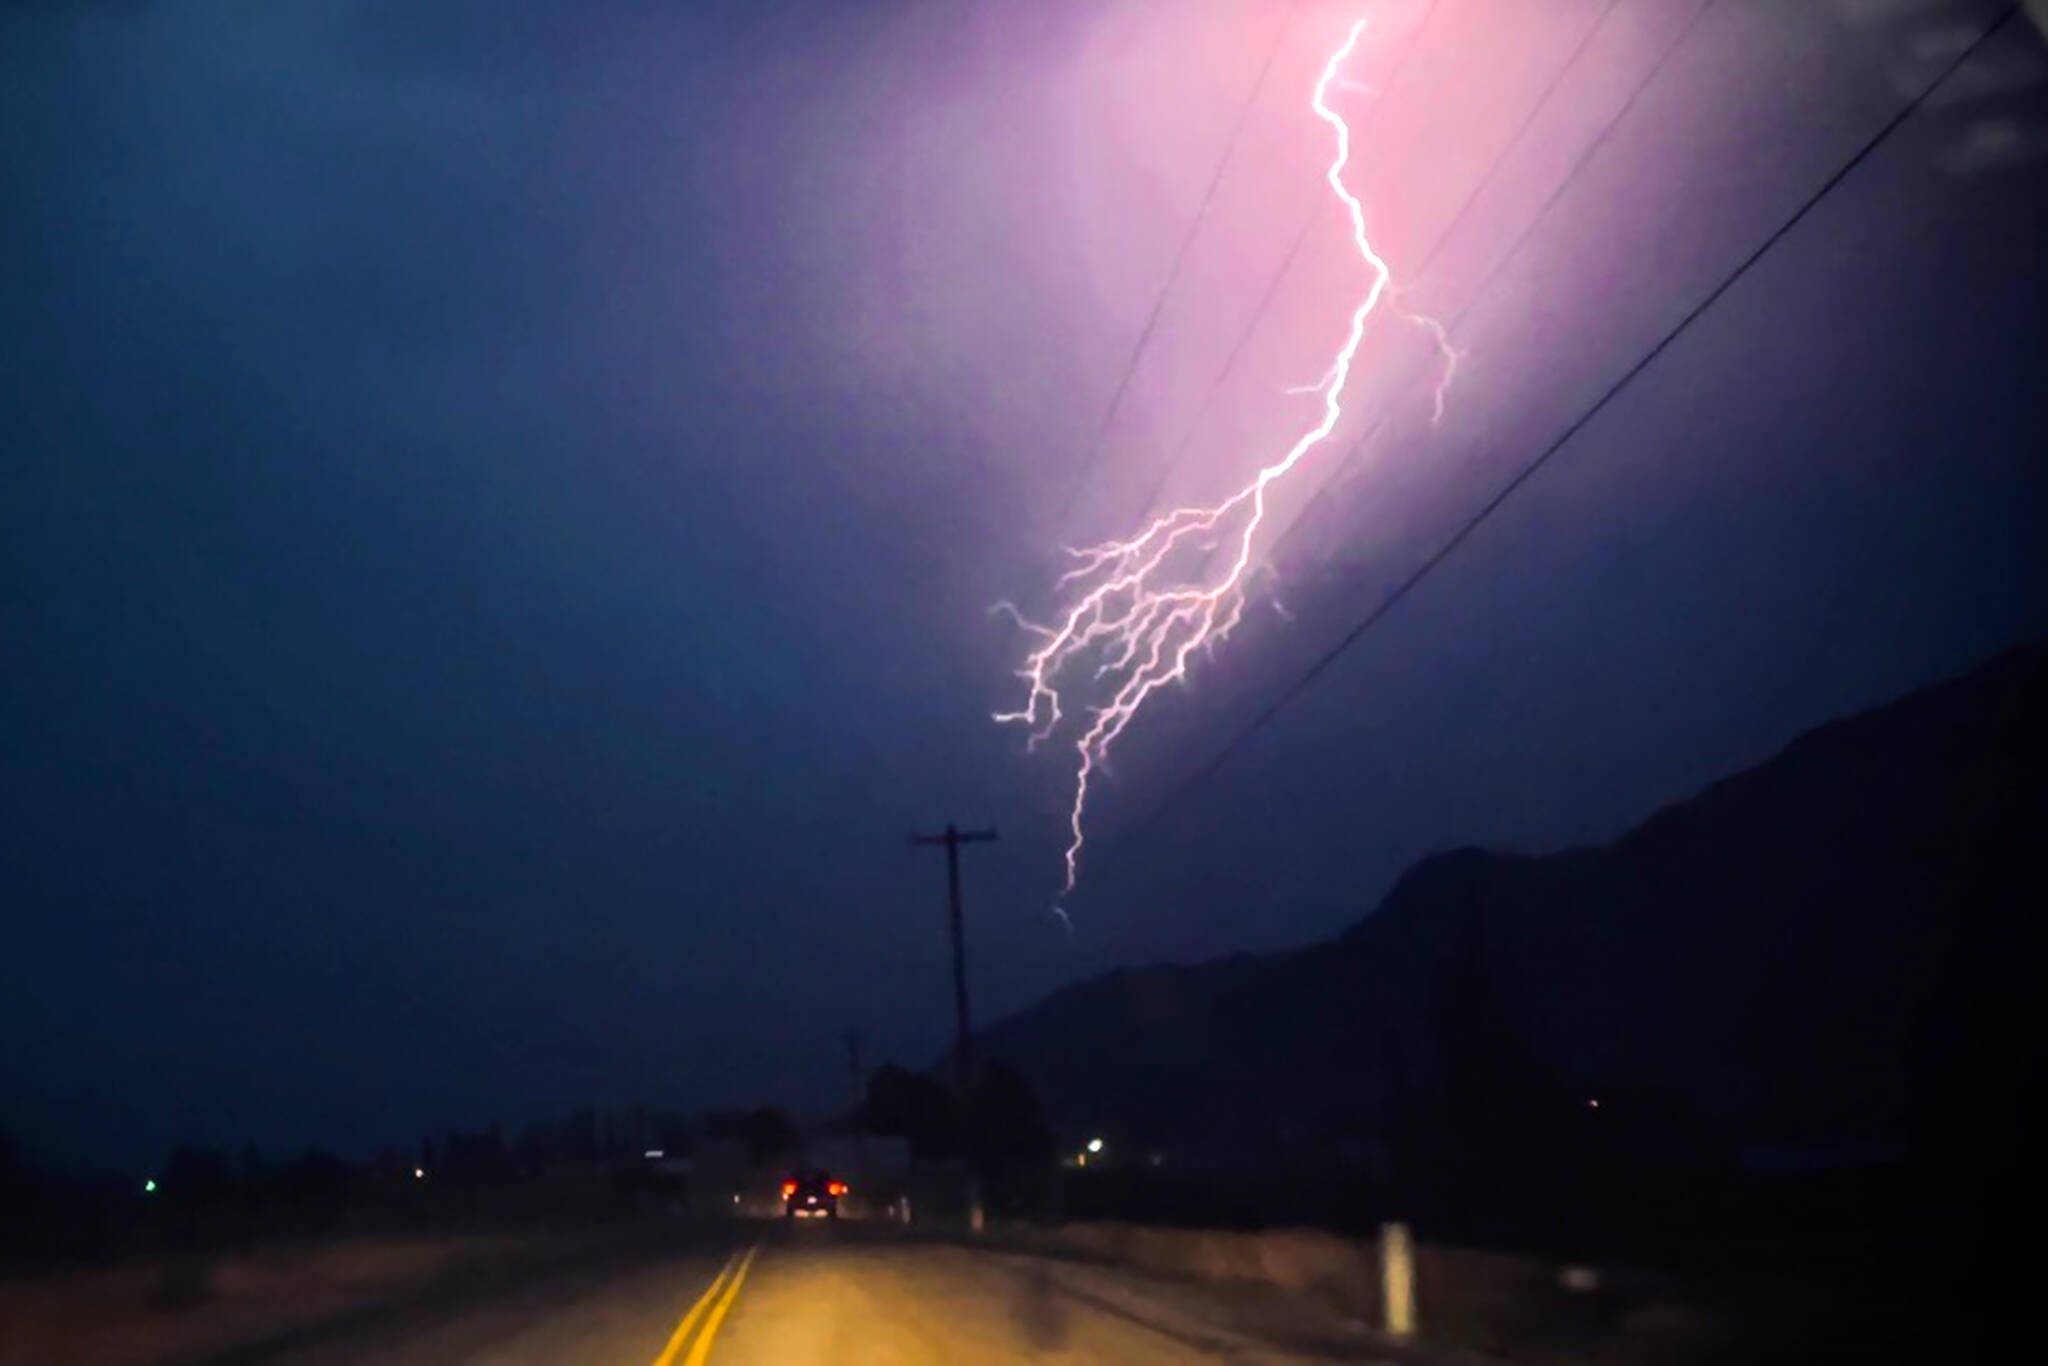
column 1397, row 1279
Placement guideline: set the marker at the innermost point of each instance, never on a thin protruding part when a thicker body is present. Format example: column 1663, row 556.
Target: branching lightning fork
column 1141, row 608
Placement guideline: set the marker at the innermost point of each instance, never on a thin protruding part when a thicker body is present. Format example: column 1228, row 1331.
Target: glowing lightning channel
column 1450, row 356
column 1134, row 617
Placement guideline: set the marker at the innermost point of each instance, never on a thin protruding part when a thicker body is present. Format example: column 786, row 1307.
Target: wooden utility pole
column 953, row 838
column 860, row 1107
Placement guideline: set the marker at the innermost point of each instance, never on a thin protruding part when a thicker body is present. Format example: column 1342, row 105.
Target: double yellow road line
column 710, row 1311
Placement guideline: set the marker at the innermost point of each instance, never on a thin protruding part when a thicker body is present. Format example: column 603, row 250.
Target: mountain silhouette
column 1833, row 953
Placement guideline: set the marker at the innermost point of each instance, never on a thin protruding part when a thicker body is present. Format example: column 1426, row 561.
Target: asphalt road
column 766, row 1294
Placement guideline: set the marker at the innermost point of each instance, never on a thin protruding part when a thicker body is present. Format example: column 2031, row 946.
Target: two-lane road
column 835, row 1295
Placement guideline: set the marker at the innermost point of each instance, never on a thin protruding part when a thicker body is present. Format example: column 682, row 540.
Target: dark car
column 812, row 1194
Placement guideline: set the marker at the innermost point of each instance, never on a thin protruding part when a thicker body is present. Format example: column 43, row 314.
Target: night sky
column 501, row 505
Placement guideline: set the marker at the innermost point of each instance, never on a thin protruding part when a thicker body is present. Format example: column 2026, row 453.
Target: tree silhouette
column 769, row 1134
column 1488, row 1132
column 1008, row 1124
column 909, row 1105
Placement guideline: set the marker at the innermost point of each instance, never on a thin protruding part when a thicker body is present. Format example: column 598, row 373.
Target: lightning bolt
column 1449, row 354
column 1141, row 608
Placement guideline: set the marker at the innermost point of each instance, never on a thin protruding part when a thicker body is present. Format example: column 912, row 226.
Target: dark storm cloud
column 425, row 657
column 1825, row 495
column 501, row 506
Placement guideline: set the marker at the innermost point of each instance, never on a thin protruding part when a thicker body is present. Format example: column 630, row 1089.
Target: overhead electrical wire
column 1535, row 111
column 1522, row 477
column 1514, row 248
column 1179, row 263
column 1273, row 282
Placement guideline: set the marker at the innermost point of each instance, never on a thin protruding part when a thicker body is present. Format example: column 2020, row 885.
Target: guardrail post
column 1397, row 1279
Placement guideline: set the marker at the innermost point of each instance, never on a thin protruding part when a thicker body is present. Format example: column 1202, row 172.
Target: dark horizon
column 667, row 1109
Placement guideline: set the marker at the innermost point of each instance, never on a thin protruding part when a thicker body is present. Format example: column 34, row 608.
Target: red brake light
column 788, row 1189
column 837, row 1188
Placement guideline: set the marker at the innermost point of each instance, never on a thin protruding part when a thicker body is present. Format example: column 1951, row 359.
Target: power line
column 1180, row 257
column 1579, row 164
column 1522, row 477
column 1528, row 122
column 1272, row 290
column 1514, row 250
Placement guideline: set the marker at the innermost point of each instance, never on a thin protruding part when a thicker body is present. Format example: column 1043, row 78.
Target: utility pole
column 953, row 838
column 860, row 1107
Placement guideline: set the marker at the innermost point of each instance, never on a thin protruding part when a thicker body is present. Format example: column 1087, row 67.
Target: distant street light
column 419, row 1173
column 149, row 1186
column 1094, row 1145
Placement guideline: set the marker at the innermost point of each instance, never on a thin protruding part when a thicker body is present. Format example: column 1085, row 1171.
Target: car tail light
column 788, row 1189
column 837, row 1188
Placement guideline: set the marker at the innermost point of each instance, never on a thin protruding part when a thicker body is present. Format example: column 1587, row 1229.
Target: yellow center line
column 701, row 1352
column 682, row 1333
